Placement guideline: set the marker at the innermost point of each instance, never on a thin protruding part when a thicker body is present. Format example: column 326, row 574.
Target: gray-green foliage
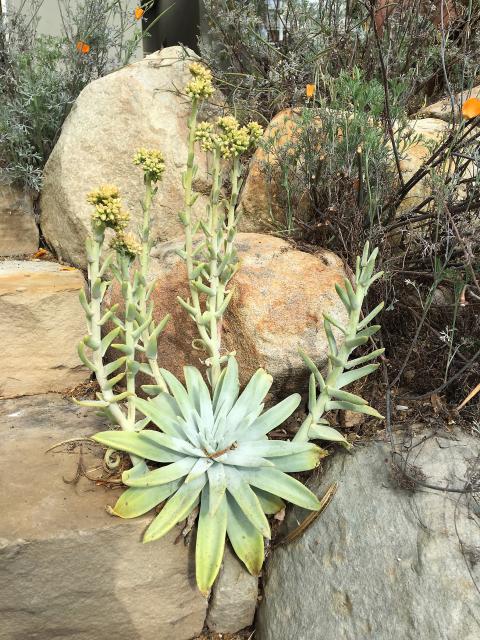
column 335, row 170
column 215, row 453
column 328, row 394
column 41, row 76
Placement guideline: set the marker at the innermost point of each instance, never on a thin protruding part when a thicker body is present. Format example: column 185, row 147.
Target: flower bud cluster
column 231, row 139
column 201, row 86
column 126, row 244
column 152, row 163
column 108, row 210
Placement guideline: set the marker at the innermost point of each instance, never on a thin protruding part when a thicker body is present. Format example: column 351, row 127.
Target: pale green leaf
column 331, row 405
column 351, row 376
column 282, row 485
column 270, row 504
column 177, row 508
column 132, row 443
column 246, row 540
column 210, row 544
column 325, row 432
column 273, row 417
column 163, row 475
column 246, row 499
column 218, row 485
column 170, row 442
column 160, row 412
column 251, row 397
column 136, row 501
column 303, row 461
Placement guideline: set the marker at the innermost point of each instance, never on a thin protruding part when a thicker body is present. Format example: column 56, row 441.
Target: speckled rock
column 382, row 562
column 280, row 294
column 137, row 106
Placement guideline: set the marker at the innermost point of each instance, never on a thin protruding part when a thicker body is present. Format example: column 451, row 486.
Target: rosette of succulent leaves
column 203, row 445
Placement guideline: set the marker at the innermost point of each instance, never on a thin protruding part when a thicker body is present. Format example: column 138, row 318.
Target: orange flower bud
column 310, row 90
column 139, row 13
column 471, row 108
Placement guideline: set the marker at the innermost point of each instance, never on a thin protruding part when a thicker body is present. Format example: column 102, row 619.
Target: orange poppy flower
column 471, row 108
column 83, row 47
column 139, row 13
column 310, row 90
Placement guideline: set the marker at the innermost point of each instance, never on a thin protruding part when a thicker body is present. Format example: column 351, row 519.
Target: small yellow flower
column 152, row 163
column 139, row 13
column 310, row 90
column 126, row 244
column 201, row 86
column 108, row 210
column 471, row 108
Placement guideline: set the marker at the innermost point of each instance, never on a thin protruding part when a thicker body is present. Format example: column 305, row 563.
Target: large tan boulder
column 280, row 294
column 443, row 108
column 137, row 106
column 18, row 229
column 41, row 321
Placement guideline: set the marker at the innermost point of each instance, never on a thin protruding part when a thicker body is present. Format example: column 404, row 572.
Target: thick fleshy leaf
column 272, row 418
column 179, row 393
column 270, row 504
column 300, row 461
column 251, row 397
column 246, row 540
column 170, row 442
column 200, row 467
column 136, row 501
column 274, row 448
column 132, row 443
column 162, row 411
column 210, row 545
column 218, row 485
column 199, row 396
column 247, row 500
column 163, row 475
column 177, row 508
column 227, row 433
column 240, row 458
column 283, row 485
column 324, row 432
column 355, row 374
column 227, row 390
column 331, row 405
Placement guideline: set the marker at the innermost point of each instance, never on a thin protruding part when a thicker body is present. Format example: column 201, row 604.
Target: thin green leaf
column 136, row 501
column 160, row 476
column 270, row 504
column 273, row 417
column 246, row 499
column 218, row 486
column 131, row 442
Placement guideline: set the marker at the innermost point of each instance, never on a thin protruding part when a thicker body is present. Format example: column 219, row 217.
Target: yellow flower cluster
column 152, row 163
column 235, row 139
column 126, row 244
column 108, row 210
column 232, row 139
column 201, row 86
column 204, row 134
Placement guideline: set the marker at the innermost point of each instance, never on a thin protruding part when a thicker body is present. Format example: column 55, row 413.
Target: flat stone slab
column 68, row 570
column 41, row 322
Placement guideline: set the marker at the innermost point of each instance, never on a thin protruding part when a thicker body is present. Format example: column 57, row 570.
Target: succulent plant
column 215, row 453
column 341, row 370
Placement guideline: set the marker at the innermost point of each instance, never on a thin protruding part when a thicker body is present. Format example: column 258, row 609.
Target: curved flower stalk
column 215, row 452
column 135, row 332
column 341, row 370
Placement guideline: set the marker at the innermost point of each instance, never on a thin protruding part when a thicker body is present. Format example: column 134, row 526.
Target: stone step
column 41, row 321
column 70, row 571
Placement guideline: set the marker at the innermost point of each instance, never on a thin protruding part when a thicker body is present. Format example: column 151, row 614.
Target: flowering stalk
column 341, row 370
column 211, row 262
